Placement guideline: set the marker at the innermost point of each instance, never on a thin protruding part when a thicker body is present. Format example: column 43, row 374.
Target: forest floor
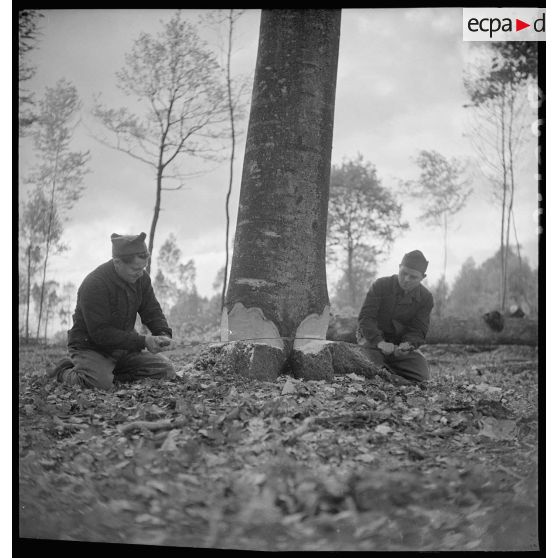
column 353, row 464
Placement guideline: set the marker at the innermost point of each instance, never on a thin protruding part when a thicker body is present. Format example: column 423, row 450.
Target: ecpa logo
column 504, row 24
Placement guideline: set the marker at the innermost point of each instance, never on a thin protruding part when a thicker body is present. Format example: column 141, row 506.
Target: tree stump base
column 315, row 360
column 252, row 360
column 321, row 360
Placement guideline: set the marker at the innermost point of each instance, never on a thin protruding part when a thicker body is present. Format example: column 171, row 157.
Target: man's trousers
column 91, row 369
column 411, row 365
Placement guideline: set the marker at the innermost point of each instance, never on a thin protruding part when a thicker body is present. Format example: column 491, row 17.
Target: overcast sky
column 399, row 90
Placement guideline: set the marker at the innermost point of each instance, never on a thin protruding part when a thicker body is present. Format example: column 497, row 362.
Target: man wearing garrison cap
column 394, row 319
column 103, row 344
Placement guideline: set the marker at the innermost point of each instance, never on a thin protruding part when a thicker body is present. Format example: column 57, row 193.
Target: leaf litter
column 213, row 459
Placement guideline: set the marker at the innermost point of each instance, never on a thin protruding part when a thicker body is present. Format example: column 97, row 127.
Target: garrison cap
column 127, row 245
column 415, row 260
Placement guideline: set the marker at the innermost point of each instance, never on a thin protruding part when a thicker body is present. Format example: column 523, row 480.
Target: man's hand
column 163, row 340
column 156, row 343
column 386, row 348
column 403, row 348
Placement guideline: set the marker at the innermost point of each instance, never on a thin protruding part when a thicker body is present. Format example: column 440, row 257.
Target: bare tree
column 442, row 189
column 500, row 117
column 46, row 301
column 52, row 301
column 236, row 105
column 59, row 172
column 235, row 111
column 182, row 105
column 34, row 223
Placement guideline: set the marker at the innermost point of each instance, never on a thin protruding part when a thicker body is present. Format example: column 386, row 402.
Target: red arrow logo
column 519, row 25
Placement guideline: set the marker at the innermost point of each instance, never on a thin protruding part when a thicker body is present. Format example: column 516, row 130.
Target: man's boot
column 53, row 370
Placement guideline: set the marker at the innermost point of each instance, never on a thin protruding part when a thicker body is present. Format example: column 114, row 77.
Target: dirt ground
column 353, row 464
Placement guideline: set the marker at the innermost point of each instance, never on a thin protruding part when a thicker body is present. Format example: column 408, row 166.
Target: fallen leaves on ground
column 216, row 460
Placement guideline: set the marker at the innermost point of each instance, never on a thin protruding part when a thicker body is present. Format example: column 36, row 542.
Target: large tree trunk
column 277, row 288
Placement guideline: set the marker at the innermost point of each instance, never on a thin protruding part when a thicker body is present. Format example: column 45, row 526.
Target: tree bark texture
column 452, row 330
column 278, row 276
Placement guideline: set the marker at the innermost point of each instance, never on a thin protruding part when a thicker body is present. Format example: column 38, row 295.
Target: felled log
column 453, row 330
column 474, row 331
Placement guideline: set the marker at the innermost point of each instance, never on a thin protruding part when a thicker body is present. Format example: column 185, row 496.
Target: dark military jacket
column 390, row 314
column 106, row 312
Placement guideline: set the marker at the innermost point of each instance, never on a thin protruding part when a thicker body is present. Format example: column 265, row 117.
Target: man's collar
column 414, row 294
